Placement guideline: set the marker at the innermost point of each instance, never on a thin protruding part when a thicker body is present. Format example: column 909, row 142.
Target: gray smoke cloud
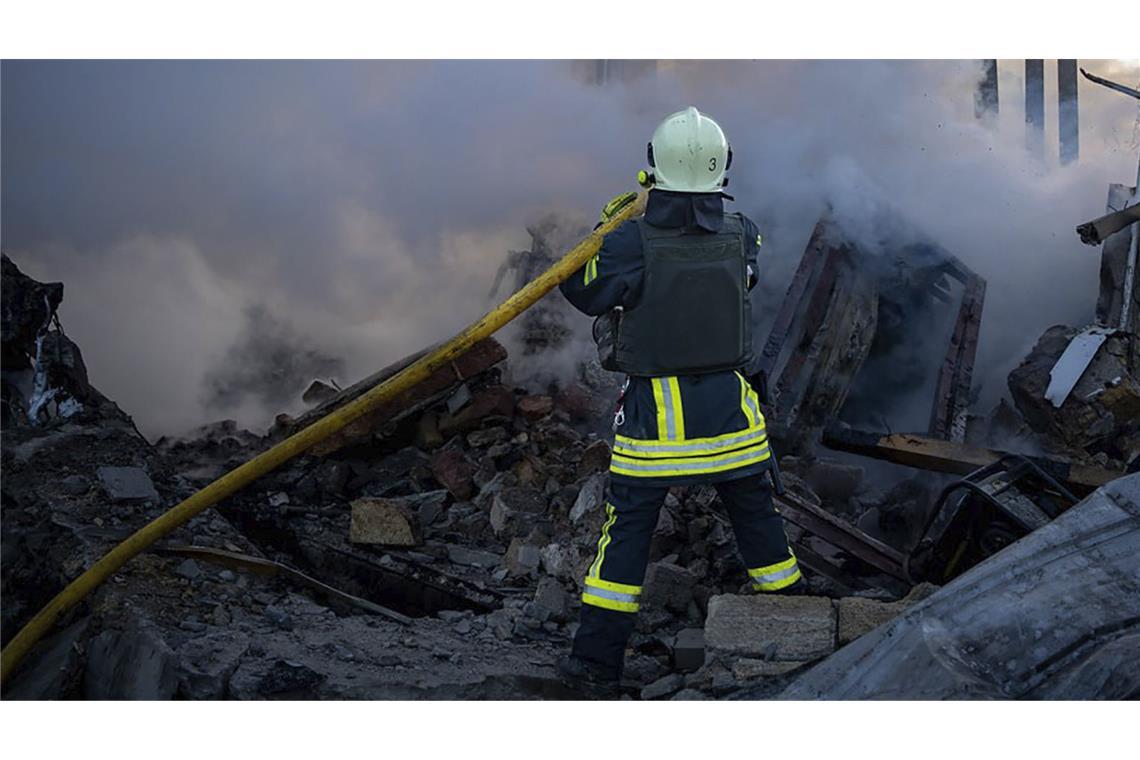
column 365, row 206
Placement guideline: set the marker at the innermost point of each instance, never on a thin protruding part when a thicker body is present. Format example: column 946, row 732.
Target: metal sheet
column 1073, row 363
column 1047, row 617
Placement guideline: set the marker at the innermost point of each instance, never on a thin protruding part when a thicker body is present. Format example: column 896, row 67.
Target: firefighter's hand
column 614, row 207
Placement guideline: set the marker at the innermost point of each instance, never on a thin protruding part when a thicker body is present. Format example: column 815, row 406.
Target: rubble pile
column 432, row 549
column 445, row 548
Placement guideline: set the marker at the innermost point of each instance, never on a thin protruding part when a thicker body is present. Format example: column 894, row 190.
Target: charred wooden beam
column 480, row 358
column 269, row 568
column 954, row 458
column 952, row 393
column 842, row 535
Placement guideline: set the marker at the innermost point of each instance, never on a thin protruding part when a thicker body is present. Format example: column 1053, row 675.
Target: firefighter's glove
column 614, row 207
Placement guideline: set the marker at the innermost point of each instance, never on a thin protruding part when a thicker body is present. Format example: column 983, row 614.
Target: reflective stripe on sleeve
column 591, row 270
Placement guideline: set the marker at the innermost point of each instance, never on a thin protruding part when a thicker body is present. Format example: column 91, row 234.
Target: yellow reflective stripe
column 694, row 447
column 717, row 441
column 609, row 604
column 678, row 411
column 777, row 576
column 662, row 415
column 714, row 459
column 591, row 270
column 745, row 408
column 620, row 588
column 604, row 541
column 790, row 562
column 654, row 468
column 759, row 240
column 777, row 585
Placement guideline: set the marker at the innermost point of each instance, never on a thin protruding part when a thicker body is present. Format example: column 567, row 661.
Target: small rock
column 286, row 676
column 595, row 459
column 188, row 569
column 131, row 664
column 590, row 499
column 73, row 485
column 521, row 559
column 279, row 617
column 478, row 439
column 560, row 561
column 206, row 663
column 461, row 555
column 386, row 522
column 513, row 510
column 668, row 586
column 221, row 616
column 452, row 470
column 229, row 576
column 127, row 484
column 552, row 599
column 535, row 408
column 278, row 499
column 663, row 687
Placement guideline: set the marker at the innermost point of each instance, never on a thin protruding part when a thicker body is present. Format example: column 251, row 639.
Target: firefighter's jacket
column 674, row 430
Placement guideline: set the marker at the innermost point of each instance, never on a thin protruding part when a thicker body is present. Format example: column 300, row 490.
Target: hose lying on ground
column 299, row 442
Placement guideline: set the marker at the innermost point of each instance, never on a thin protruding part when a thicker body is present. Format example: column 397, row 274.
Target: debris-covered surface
column 435, row 549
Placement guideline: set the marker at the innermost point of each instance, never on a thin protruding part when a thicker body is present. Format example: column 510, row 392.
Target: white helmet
column 689, row 153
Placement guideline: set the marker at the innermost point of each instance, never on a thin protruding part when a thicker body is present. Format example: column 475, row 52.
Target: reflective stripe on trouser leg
column 759, row 530
column 613, row 582
column 614, row 578
column 777, row 576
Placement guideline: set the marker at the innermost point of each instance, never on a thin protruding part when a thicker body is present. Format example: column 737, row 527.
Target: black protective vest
column 694, row 315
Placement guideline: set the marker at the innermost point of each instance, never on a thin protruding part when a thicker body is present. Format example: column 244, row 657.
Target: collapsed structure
column 433, row 548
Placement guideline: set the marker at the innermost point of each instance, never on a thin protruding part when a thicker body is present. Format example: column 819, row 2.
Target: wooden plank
column 954, row 458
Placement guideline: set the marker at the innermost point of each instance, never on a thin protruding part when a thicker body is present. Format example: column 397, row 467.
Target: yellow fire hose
column 299, row 442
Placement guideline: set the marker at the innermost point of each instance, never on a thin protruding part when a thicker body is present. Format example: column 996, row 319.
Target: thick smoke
column 365, row 206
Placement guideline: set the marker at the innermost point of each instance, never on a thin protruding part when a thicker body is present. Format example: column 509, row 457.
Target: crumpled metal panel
column 1055, row 615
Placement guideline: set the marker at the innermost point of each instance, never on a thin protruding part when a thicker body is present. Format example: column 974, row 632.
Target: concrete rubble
column 434, row 549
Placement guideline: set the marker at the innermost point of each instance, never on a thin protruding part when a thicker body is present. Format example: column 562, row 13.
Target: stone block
column 781, row 628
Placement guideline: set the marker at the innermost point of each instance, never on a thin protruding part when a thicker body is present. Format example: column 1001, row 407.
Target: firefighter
column 670, row 291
